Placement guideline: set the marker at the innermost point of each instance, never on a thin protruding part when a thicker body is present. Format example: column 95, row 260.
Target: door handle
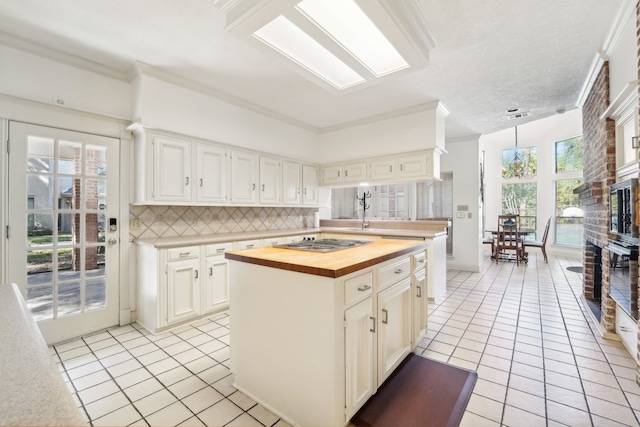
column 112, row 241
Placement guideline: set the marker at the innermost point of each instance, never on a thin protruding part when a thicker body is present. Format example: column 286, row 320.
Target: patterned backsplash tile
column 172, row 221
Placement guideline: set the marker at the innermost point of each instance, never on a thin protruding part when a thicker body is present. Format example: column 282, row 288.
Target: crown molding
column 61, row 57
column 626, row 12
column 596, row 65
column 409, row 18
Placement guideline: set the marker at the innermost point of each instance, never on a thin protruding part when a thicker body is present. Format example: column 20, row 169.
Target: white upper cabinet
column 244, row 177
column 270, row 180
column 384, row 168
column 309, row 185
column 291, row 183
column 211, row 174
column 355, row 172
column 172, row 169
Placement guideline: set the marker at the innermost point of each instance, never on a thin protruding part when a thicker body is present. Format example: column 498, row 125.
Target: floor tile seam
column 82, row 407
column 120, row 389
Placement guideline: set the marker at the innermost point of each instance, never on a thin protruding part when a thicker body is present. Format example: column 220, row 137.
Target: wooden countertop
column 330, row 264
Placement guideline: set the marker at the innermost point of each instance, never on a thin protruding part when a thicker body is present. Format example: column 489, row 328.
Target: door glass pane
column 41, row 189
column 96, row 163
column 69, row 299
column 94, row 260
column 95, row 193
column 39, row 267
column 68, row 264
column 69, row 158
column 96, row 293
column 39, row 229
column 39, row 154
column 69, row 228
column 68, row 189
column 40, row 302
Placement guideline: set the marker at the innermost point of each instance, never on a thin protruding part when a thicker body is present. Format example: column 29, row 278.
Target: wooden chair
column 508, row 239
column 540, row 244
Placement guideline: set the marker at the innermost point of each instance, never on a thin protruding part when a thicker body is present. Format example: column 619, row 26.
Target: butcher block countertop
column 331, row 264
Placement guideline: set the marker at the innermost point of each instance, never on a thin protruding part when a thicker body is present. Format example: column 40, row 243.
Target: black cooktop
column 323, row 245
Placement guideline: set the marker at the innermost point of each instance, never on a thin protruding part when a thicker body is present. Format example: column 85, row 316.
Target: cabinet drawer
column 248, row 244
column 419, row 260
column 392, row 273
column 183, row 253
column 357, row 288
column 218, row 248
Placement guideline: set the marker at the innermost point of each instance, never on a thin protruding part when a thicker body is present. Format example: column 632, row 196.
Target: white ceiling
column 490, row 56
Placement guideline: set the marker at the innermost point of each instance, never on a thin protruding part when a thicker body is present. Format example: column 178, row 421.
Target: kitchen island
column 313, row 335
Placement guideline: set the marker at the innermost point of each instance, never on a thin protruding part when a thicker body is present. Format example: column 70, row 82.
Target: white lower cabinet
column 177, row 285
column 183, row 290
column 215, row 292
column 359, row 355
column 394, row 322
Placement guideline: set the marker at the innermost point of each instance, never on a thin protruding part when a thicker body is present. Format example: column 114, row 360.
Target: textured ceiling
column 490, row 56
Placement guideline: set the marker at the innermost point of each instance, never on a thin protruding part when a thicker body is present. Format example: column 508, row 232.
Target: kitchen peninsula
column 313, row 335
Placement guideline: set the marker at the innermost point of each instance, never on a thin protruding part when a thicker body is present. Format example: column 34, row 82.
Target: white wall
column 462, row 159
column 27, row 76
column 542, row 134
column 168, row 106
column 414, row 131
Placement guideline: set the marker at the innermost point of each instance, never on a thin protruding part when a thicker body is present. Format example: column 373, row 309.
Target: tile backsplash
column 170, row 221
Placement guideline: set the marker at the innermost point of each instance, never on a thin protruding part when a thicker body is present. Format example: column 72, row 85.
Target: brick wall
column 599, row 174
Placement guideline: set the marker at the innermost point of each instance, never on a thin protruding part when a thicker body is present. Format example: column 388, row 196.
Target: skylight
column 282, row 35
column 351, row 28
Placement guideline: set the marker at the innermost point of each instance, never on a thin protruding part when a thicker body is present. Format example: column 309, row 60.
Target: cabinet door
column 383, row 168
column 355, row 172
column 216, row 292
column 291, row 183
column 211, row 174
column 244, row 177
column 270, row 180
column 359, row 355
column 394, row 327
column 419, row 305
column 332, row 174
column 183, row 290
column 172, row 169
column 412, row 166
column 309, row 185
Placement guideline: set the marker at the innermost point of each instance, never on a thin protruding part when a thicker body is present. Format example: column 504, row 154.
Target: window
column 569, row 154
column 569, row 217
column 521, row 199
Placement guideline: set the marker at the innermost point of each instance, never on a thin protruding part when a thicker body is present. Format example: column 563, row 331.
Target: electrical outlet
column 160, row 217
column 194, row 223
column 135, row 224
column 216, row 216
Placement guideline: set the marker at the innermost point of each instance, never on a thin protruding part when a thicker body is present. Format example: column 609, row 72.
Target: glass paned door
column 64, row 256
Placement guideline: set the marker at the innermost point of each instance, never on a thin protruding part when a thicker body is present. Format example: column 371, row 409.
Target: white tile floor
column 538, row 357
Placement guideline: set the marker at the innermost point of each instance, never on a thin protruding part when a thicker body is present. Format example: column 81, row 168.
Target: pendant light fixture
column 518, row 166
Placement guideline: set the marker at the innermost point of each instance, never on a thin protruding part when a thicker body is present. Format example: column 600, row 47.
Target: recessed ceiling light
column 346, row 23
column 285, row 37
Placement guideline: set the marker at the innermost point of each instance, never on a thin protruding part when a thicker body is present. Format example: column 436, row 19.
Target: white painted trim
column 626, row 99
column 627, row 11
column 596, row 65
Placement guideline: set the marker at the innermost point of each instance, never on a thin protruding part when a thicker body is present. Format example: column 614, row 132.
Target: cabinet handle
column 186, row 181
column 338, row 174
column 386, row 316
column 400, row 167
column 210, row 271
column 398, row 271
column 250, row 246
column 422, row 260
column 184, row 254
column 364, row 288
column 373, row 324
column 624, row 329
column 298, row 190
column 390, row 168
column 196, row 274
column 220, row 250
column 262, row 187
column 253, row 186
column 305, row 191
column 200, row 182
column 419, row 292
column 346, row 173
